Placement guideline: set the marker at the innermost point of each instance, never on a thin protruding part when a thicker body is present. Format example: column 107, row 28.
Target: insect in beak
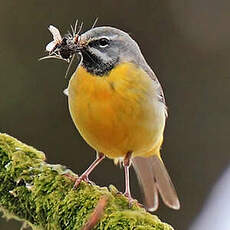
column 64, row 48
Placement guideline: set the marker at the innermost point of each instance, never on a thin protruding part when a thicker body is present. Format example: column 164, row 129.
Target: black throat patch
column 95, row 65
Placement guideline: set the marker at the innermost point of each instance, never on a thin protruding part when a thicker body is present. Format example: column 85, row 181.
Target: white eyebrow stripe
column 98, row 38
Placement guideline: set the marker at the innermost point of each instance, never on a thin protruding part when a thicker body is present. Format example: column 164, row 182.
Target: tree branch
column 41, row 195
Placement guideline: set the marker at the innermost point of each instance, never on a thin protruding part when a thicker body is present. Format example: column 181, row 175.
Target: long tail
column 153, row 178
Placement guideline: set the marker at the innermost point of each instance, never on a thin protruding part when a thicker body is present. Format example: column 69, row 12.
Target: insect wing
column 56, row 34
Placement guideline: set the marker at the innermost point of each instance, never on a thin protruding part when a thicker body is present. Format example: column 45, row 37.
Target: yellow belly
column 119, row 112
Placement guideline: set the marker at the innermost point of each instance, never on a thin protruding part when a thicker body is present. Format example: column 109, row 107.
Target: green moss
column 39, row 194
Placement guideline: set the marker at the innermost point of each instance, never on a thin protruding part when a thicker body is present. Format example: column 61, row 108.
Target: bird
column 118, row 106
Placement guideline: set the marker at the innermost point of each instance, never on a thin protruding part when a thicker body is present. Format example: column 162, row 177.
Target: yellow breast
column 118, row 112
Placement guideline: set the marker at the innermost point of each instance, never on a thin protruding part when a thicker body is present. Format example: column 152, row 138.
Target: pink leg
column 126, row 164
column 85, row 175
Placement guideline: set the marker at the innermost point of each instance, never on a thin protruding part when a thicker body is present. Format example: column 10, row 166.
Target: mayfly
column 63, row 48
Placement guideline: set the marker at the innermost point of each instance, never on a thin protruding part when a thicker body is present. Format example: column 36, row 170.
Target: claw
column 130, row 199
column 81, row 178
column 84, row 176
column 71, row 177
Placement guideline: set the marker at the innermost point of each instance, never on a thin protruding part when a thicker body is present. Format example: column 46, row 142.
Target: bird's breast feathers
column 119, row 112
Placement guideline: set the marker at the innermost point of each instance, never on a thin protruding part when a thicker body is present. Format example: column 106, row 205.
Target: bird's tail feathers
column 154, row 178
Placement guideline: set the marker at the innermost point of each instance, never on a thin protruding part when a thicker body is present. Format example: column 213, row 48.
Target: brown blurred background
column 187, row 45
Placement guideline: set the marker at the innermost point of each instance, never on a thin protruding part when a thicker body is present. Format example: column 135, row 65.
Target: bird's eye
column 103, row 42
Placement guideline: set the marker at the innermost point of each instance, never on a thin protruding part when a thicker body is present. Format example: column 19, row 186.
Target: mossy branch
column 41, row 195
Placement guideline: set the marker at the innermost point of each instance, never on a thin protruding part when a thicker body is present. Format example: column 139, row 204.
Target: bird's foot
column 83, row 177
column 130, row 199
column 71, row 177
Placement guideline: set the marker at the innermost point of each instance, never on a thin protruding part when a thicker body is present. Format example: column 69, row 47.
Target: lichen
column 40, row 195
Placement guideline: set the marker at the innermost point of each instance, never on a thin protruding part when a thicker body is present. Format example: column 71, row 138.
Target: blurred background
column 187, row 45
